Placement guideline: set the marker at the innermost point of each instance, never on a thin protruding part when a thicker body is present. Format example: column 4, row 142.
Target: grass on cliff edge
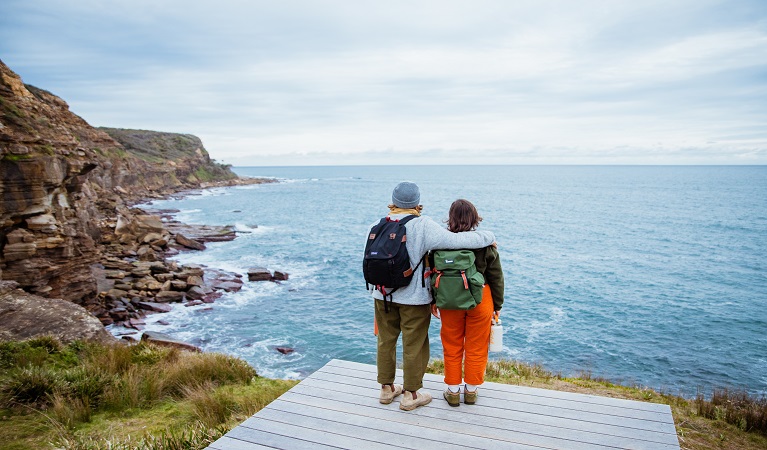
column 92, row 396
column 729, row 420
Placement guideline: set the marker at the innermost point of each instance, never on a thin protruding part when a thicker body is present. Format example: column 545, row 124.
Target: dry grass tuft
column 735, row 407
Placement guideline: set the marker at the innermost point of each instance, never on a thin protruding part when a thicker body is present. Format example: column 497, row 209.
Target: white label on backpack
column 449, row 261
column 373, row 253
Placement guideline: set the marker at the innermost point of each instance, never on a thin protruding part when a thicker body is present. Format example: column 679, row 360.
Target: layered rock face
column 48, row 197
column 61, row 182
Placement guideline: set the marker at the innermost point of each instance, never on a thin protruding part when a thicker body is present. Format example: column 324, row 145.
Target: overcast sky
column 439, row 82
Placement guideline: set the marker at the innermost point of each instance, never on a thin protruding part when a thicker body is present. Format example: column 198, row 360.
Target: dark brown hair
column 463, row 216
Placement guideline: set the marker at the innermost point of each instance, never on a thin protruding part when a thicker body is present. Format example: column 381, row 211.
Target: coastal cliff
column 188, row 160
column 64, row 185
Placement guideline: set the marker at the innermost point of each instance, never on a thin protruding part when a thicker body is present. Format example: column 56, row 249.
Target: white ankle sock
column 454, row 388
column 471, row 387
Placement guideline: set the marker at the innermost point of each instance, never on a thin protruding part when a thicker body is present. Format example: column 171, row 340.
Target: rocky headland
column 68, row 228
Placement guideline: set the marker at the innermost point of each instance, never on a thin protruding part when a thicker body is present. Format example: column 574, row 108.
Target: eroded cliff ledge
column 62, row 182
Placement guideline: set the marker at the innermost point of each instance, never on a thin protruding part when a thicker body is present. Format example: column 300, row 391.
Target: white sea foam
column 294, row 180
column 249, row 187
column 212, row 192
column 242, row 228
column 534, row 329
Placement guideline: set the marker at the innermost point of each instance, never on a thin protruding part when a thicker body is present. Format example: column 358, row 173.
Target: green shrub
column 49, row 343
column 7, row 354
column 147, row 354
column 134, row 388
column 209, row 405
column 33, row 352
column 30, row 385
column 203, row 174
column 197, row 369
column 86, row 383
column 14, row 354
column 112, row 359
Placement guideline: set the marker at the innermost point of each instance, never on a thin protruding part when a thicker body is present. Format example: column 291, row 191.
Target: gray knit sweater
column 423, row 235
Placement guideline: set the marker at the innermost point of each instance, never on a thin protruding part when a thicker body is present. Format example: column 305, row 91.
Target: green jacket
column 489, row 264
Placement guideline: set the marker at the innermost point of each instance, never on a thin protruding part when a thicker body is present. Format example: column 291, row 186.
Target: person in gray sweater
column 409, row 312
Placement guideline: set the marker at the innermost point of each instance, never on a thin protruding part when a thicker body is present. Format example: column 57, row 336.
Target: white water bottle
column 496, row 334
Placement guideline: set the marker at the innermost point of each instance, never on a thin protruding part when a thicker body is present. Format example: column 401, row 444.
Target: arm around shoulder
column 437, row 237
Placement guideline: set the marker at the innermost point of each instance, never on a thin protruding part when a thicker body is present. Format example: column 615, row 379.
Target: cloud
column 539, row 82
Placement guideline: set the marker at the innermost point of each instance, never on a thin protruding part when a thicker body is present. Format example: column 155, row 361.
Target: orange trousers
column 465, row 339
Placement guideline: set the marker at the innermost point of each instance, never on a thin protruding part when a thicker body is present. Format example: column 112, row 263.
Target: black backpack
column 386, row 264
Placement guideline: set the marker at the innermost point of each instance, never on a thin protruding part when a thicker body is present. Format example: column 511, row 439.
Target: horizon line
column 509, row 165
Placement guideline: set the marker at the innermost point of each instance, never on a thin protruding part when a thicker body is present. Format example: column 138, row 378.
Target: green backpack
column 455, row 282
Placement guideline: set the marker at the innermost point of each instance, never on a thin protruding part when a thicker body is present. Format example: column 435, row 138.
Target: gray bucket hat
column 406, row 195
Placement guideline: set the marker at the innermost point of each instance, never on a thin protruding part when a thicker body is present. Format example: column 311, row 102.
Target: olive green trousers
column 413, row 322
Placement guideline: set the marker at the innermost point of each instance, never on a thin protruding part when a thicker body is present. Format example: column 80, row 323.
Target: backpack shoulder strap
column 407, row 219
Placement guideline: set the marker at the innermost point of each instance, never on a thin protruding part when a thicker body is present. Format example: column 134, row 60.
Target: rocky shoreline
column 137, row 278
column 69, row 228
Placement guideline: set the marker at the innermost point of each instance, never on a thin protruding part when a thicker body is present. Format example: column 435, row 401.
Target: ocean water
column 649, row 275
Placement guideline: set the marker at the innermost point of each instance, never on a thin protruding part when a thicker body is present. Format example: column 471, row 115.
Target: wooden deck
column 337, row 407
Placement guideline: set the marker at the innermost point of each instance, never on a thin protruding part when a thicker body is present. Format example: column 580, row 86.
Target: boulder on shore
column 259, row 274
column 280, row 276
column 156, row 307
column 169, row 296
column 189, row 243
column 167, row 340
column 25, row 316
column 195, row 293
column 285, row 350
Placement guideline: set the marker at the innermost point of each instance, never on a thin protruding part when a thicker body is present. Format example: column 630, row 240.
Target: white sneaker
column 408, row 403
column 387, row 394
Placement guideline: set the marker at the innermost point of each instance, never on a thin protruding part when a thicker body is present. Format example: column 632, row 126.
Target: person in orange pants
column 466, row 333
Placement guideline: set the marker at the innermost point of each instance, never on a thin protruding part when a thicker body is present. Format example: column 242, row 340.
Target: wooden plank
column 477, row 425
column 228, row 443
column 584, row 421
column 489, row 390
column 326, row 436
column 268, row 438
column 379, row 434
column 581, row 398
